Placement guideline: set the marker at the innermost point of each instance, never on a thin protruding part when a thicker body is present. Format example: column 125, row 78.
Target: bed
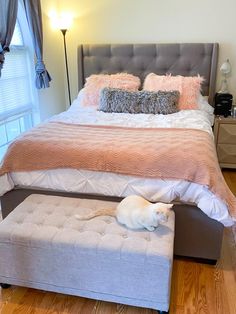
column 198, row 232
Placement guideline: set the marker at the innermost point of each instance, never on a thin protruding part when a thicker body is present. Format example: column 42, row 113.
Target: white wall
column 133, row 21
column 52, row 100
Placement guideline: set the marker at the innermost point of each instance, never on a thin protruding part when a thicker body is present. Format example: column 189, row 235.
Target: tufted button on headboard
column 140, row 59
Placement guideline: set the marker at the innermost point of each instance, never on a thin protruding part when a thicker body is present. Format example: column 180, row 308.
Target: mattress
column 106, row 183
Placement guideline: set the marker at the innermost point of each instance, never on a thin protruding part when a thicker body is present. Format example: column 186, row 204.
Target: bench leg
column 5, row 285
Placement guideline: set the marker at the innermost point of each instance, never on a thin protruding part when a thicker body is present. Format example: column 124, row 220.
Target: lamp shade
column 225, row 67
column 62, row 21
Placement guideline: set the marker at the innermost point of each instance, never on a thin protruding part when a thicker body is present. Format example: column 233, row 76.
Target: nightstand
column 225, row 139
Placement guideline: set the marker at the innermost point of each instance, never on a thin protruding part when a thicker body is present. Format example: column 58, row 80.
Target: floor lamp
column 67, row 72
column 63, row 22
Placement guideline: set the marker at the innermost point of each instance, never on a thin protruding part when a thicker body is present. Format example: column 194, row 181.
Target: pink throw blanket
column 181, row 154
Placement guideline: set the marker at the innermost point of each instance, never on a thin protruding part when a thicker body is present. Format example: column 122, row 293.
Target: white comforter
column 84, row 181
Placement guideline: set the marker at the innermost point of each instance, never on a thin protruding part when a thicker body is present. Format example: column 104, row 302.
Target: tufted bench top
column 41, row 219
column 43, row 246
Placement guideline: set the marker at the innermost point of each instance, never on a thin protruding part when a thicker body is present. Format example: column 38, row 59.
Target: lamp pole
column 67, row 72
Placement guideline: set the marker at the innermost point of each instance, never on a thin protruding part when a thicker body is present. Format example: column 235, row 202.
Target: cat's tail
column 99, row 212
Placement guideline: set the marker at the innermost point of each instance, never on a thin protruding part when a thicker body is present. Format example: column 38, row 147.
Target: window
column 18, row 106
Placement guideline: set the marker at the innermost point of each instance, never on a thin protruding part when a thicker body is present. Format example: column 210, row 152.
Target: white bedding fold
column 192, row 119
column 104, row 183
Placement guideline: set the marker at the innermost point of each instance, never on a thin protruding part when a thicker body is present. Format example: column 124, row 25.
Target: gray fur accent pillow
column 118, row 100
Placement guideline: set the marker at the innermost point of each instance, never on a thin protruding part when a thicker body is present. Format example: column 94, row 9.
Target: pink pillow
column 96, row 82
column 189, row 87
column 154, row 82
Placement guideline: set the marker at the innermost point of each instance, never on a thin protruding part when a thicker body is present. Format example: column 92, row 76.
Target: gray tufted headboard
column 140, row 59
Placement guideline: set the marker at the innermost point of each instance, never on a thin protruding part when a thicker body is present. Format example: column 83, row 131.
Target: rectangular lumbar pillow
column 122, row 101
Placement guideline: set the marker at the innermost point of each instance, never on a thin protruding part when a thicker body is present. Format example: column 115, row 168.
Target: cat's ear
column 169, row 206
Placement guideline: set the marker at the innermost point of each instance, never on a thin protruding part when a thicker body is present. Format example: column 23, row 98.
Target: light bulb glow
column 61, row 21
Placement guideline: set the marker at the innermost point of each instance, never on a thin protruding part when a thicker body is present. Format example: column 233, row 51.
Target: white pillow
column 204, row 105
column 76, row 102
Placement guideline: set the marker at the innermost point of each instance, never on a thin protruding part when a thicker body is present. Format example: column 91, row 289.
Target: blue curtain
column 8, row 13
column 34, row 19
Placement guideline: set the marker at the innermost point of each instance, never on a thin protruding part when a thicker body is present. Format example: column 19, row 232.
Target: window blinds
column 15, row 85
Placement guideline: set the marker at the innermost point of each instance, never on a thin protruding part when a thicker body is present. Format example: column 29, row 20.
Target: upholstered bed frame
column 141, row 59
column 196, row 235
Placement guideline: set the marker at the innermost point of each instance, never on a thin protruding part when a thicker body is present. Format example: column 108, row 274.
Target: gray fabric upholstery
column 43, row 246
column 118, row 100
column 189, row 219
column 141, row 59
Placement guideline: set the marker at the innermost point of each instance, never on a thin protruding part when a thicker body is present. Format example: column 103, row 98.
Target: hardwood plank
column 10, row 299
column 230, row 178
column 23, row 301
column 228, row 265
column 196, row 288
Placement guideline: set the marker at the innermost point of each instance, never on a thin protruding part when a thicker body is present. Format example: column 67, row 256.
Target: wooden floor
column 196, row 288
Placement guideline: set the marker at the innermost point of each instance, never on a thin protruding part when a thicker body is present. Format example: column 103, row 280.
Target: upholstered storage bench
column 43, row 246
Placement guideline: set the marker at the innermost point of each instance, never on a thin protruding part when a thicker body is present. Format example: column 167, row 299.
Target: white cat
column 135, row 213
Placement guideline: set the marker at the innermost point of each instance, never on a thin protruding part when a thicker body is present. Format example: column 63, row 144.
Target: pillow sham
column 96, row 82
column 204, row 105
column 118, row 100
column 189, row 87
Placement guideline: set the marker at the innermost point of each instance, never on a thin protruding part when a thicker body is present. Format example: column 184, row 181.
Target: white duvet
column 84, row 181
